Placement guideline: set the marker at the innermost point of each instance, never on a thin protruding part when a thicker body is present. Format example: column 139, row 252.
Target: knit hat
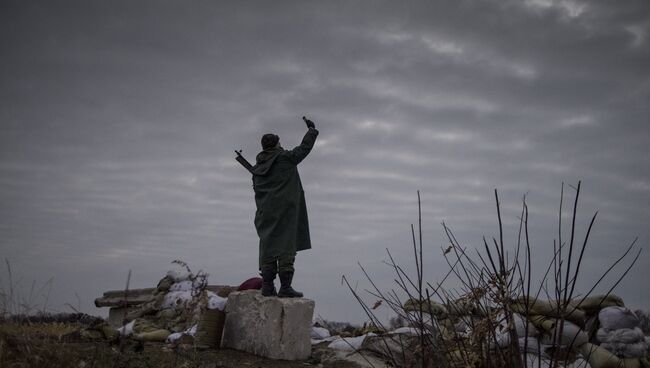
column 269, row 141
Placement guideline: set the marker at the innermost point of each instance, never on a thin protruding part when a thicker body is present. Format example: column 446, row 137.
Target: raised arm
column 299, row 153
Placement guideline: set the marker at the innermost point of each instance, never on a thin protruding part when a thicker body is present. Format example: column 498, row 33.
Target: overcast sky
column 119, row 120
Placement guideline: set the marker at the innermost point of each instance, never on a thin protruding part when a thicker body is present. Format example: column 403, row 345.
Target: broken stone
column 272, row 327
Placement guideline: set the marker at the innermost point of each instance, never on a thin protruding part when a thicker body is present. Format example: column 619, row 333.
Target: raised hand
column 310, row 124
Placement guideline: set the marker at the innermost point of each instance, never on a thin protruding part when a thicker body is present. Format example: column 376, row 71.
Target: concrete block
column 116, row 315
column 271, row 327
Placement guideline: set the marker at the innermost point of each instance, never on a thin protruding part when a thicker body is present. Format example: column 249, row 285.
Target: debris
column 349, row 343
column 127, row 329
column 319, row 333
column 612, row 318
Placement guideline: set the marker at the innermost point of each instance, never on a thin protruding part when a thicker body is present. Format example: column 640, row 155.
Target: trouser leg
column 286, row 272
column 268, row 271
column 285, row 263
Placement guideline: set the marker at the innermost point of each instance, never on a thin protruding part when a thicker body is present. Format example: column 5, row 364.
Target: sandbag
column 428, row 306
column 532, row 345
column 520, row 326
column 187, row 285
column 543, row 323
column 109, row 332
column 216, row 302
column 319, row 333
column 592, row 325
column 91, row 334
column 634, row 350
column 462, row 307
column 461, row 326
column 502, row 340
column 601, row 358
column 572, row 335
column 144, row 330
column 127, row 329
column 348, row 343
column 392, row 348
column 141, row 325
column 176, row 299
column 548, row 309
column 614, row 318
column 166, row 314
column 179, row 275
column 153, row 336
column 177, row 336
column 623, row 335
column 406, row 331
column 164, row 284
column 595, row 303
column 502, row 335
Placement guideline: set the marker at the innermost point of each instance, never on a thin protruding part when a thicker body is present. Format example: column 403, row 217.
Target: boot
column 286, row 291
column 268, row 277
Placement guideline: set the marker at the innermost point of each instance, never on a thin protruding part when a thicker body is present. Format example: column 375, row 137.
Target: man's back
column 281, row 218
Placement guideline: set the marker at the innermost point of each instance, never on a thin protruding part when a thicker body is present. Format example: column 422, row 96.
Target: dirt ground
column 61, row 346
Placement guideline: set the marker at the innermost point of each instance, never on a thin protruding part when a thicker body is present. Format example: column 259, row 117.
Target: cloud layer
column 119, row 123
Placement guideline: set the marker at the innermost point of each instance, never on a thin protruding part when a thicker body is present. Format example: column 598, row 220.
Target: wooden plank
column 115, row 298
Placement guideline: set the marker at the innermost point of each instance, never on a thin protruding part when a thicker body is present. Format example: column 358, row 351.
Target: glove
column 310, row 124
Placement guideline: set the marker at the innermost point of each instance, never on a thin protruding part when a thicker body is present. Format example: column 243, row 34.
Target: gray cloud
column 119, row 121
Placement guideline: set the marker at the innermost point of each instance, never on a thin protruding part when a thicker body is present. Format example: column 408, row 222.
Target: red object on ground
column 254, row 283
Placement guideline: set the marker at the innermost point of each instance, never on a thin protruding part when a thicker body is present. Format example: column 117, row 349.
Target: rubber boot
column 286, row 291
column 268, row 277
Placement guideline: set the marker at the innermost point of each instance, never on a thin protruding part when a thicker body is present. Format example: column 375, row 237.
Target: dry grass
column 42, row 347
column 31, row 337
column 492, row 284
column 47, row 330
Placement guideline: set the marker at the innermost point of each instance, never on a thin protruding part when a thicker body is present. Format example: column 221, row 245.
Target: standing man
column 281, row 216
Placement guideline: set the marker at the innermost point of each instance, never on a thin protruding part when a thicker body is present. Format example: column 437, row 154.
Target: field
column 62, row 345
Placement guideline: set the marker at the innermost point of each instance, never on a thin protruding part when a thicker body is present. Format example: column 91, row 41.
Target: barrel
column 210, row 329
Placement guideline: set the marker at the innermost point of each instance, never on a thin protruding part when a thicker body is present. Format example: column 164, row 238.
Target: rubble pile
column 182, row 309
column 366, row 347
column 179, row 304
column 599, row 331
column 595, row 332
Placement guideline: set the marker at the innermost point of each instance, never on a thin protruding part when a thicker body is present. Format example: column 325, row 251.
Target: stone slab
column 116, row 316
column 133, row 297
column 276, row 328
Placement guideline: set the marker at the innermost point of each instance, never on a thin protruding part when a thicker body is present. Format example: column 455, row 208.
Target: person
column 281, row 216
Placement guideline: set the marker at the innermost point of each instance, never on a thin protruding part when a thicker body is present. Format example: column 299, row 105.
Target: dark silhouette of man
column 281, row 217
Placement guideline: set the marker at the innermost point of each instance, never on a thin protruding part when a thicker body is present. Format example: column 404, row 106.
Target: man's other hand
column 310, row 124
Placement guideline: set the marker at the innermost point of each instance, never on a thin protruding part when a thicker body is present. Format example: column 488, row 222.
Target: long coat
column 281, row 217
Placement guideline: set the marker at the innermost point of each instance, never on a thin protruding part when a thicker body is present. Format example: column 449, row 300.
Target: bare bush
column 495, row 285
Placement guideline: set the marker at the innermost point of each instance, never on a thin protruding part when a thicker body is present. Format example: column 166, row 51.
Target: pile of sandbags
column 620, row 333
column 438, row 318
column 543, row 327
column 558, row 333
column 527, row 333
column 146, row 330
column 549, row 309
column 599, row 357
column 99, row 330
column 593, row 304
column 180, row 301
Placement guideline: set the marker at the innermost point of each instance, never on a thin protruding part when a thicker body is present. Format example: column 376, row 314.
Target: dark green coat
column 281, row 216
